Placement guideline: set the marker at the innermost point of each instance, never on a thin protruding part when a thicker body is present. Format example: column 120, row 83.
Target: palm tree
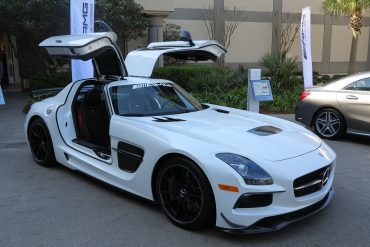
column 354, row 9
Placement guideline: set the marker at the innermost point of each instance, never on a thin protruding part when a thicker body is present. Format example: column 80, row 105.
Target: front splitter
column 275, row 223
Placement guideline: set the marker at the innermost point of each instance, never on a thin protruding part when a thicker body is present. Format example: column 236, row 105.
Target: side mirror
column 186, row 36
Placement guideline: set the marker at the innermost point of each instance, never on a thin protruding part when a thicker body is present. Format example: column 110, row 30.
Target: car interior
column 91, row 118
column 133, row 101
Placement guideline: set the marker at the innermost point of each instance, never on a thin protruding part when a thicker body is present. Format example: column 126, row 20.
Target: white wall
column 295, row 6
column 249, row 42
column 251, row 5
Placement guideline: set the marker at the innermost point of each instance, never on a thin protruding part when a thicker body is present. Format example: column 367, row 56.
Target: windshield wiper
column 186, row 110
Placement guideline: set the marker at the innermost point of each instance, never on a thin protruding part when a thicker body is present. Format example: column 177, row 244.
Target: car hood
column 241, row 132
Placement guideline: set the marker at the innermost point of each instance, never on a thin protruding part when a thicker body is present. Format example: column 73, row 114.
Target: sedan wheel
column 40, row 143
column 185, row 195
column 329, row 124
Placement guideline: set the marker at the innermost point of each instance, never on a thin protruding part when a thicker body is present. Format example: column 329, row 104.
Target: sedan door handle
column 352, row 97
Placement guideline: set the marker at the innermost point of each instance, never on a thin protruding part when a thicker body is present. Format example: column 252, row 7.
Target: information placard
column 261, row 90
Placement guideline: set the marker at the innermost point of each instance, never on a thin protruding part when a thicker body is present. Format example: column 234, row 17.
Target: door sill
column 100, row 151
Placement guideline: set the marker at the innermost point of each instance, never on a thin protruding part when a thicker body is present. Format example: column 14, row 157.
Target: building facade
column 331, row 37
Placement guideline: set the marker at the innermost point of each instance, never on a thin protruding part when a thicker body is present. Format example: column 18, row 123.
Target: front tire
column 185, row 195
column 40, row 143
column 329, row 124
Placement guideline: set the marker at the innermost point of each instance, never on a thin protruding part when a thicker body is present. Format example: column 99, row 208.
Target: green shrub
column 338, row 76
column 284, row 101
column 207, row 83
column 232, row 97
column 219, row 86
column 57, row 79
column 325, row 77
column 281, row 70
column 195, row 77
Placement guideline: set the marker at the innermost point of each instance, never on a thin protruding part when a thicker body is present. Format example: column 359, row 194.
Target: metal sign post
column 252, row 104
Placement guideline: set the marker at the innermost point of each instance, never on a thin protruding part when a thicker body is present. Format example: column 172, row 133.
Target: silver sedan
column 338, row 107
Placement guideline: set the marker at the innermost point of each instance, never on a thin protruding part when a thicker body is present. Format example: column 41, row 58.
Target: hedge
column 207, row 83
column 57, row 79
column 220, row 86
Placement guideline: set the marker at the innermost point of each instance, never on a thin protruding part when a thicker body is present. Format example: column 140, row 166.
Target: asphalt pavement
column 59, row 207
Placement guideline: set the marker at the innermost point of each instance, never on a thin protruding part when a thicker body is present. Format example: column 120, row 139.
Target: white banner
column 306, row 47
column 2, row 100
column 82, row 21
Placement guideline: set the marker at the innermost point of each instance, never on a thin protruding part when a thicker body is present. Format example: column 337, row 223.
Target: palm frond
column 346, row 7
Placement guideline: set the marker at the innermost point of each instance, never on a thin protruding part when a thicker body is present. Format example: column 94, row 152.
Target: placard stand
column 252, row 104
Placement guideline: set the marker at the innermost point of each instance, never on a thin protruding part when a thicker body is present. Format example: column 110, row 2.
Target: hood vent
column 221, row 111
column 167, row 119
column 265, row 130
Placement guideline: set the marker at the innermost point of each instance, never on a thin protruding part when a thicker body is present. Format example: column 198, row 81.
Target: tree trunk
column 352, row 58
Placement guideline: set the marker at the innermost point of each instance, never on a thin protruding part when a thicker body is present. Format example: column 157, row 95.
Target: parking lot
column 59, row 207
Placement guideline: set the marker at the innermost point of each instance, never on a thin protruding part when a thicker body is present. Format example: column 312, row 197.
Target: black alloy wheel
column 185, row 194
column 40, row 143
column 329, row 124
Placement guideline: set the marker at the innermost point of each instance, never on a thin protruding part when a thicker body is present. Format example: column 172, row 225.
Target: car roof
column 342, row 82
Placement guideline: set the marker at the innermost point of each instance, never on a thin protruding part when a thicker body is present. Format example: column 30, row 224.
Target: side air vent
column 221, row 111
column 167, row 119
column 265, row 130
column 129, row 156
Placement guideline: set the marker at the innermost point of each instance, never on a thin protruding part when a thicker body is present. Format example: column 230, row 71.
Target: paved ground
column 59, row 207
column 12, row 118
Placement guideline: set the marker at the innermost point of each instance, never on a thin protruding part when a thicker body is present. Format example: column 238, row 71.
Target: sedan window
column 361, row 85
column 152, row 99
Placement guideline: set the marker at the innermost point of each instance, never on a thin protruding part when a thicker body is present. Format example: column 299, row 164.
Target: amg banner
column 82, row 21
column 306, row 47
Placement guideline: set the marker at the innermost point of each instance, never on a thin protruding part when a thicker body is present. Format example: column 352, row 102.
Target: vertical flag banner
column 82, row 21
column 306, row 47
column 2, row 101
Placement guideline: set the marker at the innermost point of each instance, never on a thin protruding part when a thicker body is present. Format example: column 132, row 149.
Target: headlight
column 250, row 171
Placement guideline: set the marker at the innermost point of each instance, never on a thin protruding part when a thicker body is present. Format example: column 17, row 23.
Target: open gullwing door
column 100, row 47
column 141, row 62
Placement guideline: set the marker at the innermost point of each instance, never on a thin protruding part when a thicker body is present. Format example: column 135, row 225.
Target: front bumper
column 275, row 223
column 284, row 201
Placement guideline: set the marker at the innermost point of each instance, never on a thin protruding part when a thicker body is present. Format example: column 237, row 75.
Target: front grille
column 312, row 182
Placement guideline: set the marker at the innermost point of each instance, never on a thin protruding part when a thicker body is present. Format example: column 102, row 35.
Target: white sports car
column 204, row 164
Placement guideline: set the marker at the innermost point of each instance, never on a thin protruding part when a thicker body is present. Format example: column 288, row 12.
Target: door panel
column 356, row 107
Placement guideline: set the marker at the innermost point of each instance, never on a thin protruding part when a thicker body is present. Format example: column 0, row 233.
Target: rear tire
column 329, row 124
column 40, row 143
column 185, row 195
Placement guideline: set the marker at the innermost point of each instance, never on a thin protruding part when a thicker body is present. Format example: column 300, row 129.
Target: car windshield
column 152, row 99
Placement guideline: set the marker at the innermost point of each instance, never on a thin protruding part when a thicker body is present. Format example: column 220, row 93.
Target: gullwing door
column 100, row 47
column 141, row 62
